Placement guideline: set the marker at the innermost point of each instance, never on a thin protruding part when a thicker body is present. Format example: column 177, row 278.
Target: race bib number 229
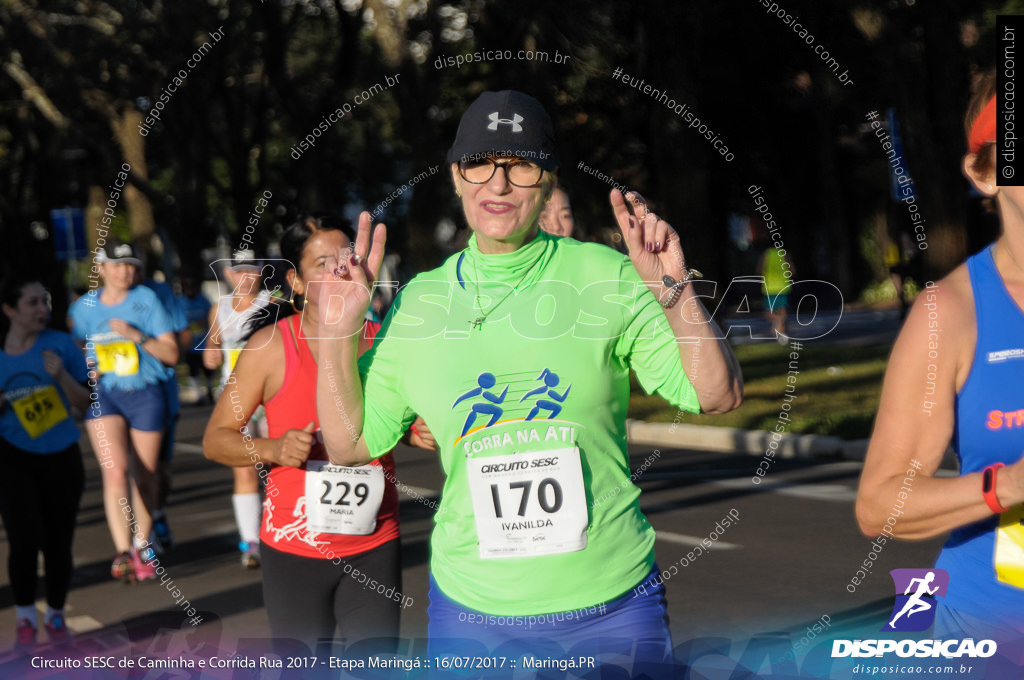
column 343, row 500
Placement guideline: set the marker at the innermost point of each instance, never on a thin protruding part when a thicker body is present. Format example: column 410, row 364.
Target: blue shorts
column 778, row 302
column 144, row 409
column 630, row 632
column 173, row 406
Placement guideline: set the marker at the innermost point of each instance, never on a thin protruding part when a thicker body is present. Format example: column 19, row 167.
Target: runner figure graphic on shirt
column 485, row 382
column 550, row 381
column 915, row 604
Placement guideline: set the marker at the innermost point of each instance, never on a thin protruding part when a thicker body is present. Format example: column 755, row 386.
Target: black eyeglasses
column 520, row 173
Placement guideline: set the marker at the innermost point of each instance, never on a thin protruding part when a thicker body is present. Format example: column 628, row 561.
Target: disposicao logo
column 915, row 606
column 914, row 611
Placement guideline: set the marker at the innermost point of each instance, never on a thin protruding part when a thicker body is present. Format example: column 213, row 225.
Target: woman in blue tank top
column 956, row 377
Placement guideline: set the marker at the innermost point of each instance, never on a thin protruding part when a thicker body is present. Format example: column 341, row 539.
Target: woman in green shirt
column 517, row 352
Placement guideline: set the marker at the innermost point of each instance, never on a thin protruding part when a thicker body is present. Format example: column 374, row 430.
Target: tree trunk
column 133, row 149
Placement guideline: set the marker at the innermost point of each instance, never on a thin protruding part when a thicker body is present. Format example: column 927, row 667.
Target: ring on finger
column 357, row 259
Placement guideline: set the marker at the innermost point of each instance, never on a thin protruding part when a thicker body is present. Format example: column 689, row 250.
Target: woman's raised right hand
column 293, row 447
column 344, row 297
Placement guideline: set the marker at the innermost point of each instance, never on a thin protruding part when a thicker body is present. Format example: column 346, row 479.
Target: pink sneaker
column 121, row 567
column 26, row 635
column 143, row 565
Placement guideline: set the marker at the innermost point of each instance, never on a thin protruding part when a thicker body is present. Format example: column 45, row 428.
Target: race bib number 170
column 529, row 503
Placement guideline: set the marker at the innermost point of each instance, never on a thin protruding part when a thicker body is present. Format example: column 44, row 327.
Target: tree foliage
column 79, row 77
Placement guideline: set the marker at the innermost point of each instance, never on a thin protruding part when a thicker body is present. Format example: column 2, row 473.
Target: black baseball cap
column 116, row 251
column 506, row 123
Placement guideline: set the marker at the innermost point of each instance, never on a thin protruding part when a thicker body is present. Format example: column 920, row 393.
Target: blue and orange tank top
column 985, row 560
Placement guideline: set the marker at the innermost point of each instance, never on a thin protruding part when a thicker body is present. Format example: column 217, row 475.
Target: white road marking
column 82, row 624
column 835, row 493
column 683, row 539
column 425, row 493
column 76, row 624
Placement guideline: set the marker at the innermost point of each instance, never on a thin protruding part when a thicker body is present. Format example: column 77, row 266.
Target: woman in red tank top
column 329, row 536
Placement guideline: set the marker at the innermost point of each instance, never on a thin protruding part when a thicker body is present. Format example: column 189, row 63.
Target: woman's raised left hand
column 653, row 244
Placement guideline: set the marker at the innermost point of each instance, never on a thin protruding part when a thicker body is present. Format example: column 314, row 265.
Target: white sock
column 248, row 507
column 26, row 612
column 51, row 613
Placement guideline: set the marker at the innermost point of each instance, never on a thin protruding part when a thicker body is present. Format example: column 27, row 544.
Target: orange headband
column 984, row 129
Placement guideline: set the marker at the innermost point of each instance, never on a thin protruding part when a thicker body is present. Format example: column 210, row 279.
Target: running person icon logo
column 553, row 407
column 485, row 381
column 915, row 606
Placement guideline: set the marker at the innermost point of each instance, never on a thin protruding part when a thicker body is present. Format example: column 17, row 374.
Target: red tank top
column 293, row 407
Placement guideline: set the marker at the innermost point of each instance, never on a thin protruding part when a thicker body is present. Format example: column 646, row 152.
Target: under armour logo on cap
column 123, row 250
column 514, row 121
column 508, row 121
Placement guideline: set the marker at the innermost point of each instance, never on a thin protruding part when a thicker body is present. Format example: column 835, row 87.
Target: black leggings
column 39, row 497
column 306, row 597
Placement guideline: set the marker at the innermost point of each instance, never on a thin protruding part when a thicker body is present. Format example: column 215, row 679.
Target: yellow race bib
column 40, row 411
column 119, row 357
column 1009, row 553
column 233, row 355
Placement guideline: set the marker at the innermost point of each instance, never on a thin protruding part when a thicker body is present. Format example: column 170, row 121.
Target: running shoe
column 26, row 635
column 250, row 555
column 57, row 630
column 121, row 568
column 164, row 535
column 142, row 563
column 154, row 542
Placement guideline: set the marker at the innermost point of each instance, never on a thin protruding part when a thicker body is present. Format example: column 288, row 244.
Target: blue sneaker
column 57, row 629
column 250, row 555
column 163, row 534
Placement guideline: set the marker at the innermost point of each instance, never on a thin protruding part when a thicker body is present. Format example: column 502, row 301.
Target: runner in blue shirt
column 42, row 373
column 196, row 307
column 129, row 337
column 955, row 379
column 161, row 537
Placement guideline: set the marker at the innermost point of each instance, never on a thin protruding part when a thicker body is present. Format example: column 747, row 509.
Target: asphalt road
column 783, row 565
